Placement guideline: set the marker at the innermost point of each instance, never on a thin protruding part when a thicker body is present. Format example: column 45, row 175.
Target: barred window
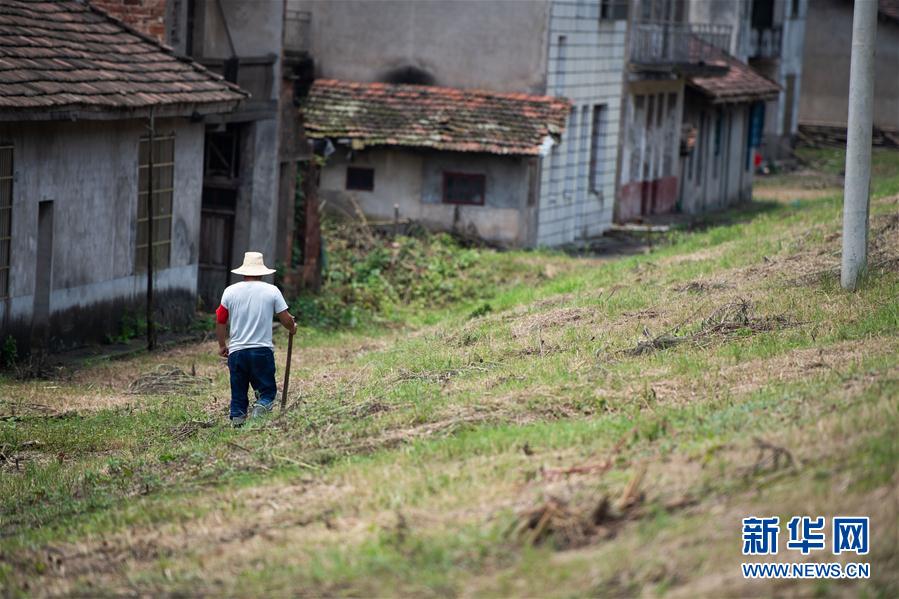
column 463, row 188
column 163, row 184
column 6, row 176
column 597, row 136
column 613, row 10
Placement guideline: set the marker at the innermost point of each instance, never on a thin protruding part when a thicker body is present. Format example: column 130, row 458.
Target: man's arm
column 221, row 330
column 287, row 321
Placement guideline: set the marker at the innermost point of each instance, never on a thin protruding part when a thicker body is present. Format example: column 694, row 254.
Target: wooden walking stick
column 287, row 372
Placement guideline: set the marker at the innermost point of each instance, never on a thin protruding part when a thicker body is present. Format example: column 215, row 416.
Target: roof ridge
column 439, row 88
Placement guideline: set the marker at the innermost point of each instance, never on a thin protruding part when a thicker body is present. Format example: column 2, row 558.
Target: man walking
column 249, row 306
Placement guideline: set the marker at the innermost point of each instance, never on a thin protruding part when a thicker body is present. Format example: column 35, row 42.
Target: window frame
column 471, row 176
column 346, row 183
column 7, row 238
column 613, row 10
column 597, row 134
column 140, row 261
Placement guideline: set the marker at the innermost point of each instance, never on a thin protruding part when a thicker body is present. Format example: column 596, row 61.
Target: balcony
column 669, row 46
column 765, row 43
column 297, row 31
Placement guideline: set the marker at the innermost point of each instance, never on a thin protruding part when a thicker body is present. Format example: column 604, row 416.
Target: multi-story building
column 693, row 109
column 768, row 35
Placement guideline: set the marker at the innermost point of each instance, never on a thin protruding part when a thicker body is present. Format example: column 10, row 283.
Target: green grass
column 416, row 447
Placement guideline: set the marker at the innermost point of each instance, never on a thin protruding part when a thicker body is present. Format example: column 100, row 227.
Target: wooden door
column 216, row 244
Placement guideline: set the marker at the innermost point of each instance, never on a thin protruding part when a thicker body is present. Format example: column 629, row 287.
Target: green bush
column 369, row 277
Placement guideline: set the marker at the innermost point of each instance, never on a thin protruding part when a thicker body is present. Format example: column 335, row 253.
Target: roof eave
column 92, row 113
column 535, row 151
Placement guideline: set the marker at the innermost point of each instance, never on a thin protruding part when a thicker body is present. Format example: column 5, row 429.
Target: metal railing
column 664, row 43
column 297, row 30
column 765, row 43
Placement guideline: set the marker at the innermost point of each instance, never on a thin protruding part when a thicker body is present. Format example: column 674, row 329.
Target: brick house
column 80, row 93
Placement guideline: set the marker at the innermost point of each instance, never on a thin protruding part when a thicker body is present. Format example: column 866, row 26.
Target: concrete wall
column 89, row 170
column 413, row 180
column 587, row 68
column 710, row 180
column 256, row 27
column 825, row 76
column 725, row 12
column 491, row 44
column 256, row 217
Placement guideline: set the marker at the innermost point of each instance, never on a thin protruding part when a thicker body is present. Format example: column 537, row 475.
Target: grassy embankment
column 601, row 429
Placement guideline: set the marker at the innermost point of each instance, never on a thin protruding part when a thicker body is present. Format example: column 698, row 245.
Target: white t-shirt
column 251, row 305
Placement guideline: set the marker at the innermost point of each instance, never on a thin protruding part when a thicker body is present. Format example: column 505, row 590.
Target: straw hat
column 253, row 266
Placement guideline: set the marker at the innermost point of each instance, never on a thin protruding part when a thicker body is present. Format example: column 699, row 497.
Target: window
column 700, row 147
column 222, row 157
column 596, row 135
column 795, row 9
column 613, row 10
column 463, row 188
column 163, row 184
column 571, row 154
column 360, row 178
column 6, row 176
column 560, row 64
column 719, row 125
column 671, row 146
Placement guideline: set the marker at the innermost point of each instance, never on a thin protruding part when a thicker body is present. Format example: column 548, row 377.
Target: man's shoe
column 260, row 410
column 237, row 421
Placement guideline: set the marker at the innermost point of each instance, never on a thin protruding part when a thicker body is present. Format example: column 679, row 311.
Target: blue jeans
column 254, row 366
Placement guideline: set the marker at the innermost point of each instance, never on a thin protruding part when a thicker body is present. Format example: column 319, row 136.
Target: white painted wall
column 721, row 180
column 587, row 69
column 413, row 180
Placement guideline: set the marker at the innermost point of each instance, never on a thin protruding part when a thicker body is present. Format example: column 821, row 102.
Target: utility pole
column 857, row 184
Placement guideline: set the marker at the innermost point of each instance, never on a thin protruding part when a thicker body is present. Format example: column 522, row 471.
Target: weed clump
column 370, row 275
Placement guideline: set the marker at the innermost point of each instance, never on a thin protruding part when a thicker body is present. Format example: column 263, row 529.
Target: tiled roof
column 741, row 83
column 380, row 114
column 68, row 57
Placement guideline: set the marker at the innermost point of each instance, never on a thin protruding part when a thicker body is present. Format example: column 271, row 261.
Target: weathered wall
column 825, row 75
column 651, row 139
column 585, row 64
column 147, row 16
column 413, row 180
column 715, row 179
column 89, row 170
column 490, row 44
column 728, row 12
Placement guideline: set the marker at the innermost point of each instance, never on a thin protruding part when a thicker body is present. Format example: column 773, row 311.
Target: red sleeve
column 221, row 314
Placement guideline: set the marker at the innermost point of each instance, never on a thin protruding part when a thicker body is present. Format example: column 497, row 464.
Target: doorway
column 43, row 277
column 221, row 182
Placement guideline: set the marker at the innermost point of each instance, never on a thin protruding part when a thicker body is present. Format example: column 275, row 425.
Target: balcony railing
column 666, row 44
column 297, row 29
column 765, row 43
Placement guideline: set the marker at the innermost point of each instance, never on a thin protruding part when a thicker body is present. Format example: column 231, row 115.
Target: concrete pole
column 858, row 144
